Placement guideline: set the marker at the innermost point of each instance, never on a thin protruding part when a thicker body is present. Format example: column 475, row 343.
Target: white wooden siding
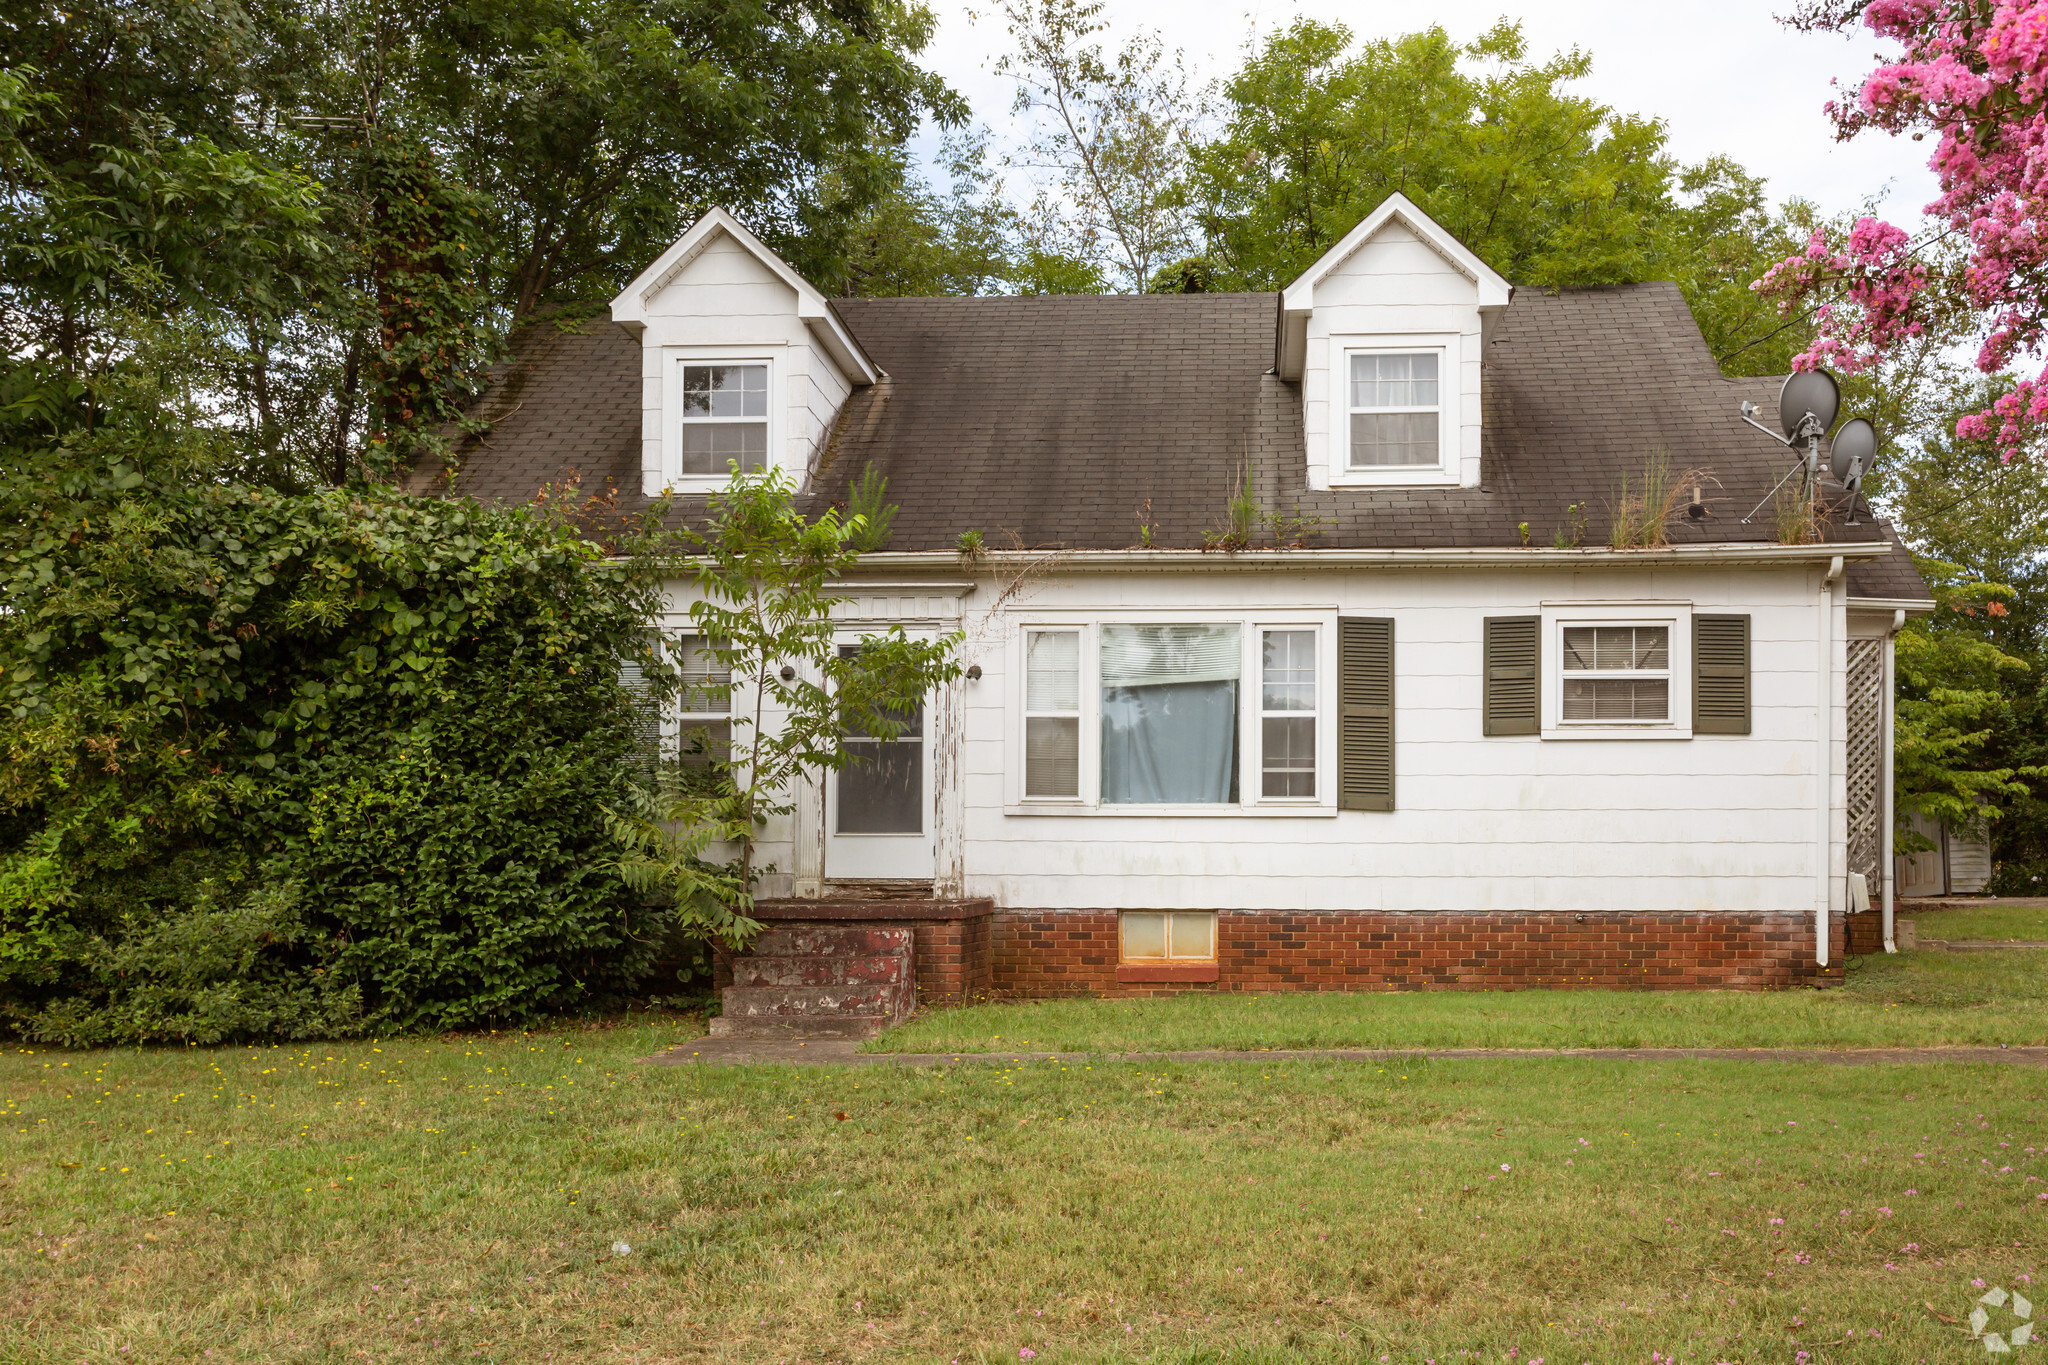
column 725, row 298
column 1715, row 823
column 1393, row 285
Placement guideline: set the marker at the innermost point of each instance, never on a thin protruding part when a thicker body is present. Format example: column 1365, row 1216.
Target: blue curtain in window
column 1174, row 742
column 1169, row 714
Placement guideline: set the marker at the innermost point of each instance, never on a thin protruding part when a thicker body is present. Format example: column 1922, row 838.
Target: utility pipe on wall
column 1824, row 843
column 1888, row 812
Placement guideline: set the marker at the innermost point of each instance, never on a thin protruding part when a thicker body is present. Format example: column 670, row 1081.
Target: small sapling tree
column 764, row 576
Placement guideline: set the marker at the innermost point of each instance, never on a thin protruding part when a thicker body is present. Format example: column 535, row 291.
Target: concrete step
column 821, row 970
column 785, row 1002
column 833, row 940
column 823, row 1026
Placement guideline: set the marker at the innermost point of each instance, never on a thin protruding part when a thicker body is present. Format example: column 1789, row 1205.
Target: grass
column 1904, row 1000
column 459, row 1200
column 1984, row 922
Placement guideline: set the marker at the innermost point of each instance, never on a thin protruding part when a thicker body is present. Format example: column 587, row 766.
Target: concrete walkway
column 841, row 1052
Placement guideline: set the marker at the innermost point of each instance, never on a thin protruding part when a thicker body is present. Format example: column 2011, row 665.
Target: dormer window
column 725, row 419
column 1394, row 410
column 1396, row 416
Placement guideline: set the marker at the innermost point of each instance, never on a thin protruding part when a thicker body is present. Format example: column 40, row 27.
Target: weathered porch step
column 878, row 999
column 833, row 940
column 820, row 1026
column 821, row 970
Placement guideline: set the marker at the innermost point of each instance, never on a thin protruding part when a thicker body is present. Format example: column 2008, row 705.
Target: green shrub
column 357, row 744
column 206, row 973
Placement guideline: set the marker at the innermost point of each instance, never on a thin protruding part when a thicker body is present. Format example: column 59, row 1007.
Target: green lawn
column 458, row 1200
column 1983, row 922
column 1901, row 1000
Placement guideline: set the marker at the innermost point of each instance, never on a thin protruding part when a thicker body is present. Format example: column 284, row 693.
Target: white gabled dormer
column 742, row 359
column 1383, row 334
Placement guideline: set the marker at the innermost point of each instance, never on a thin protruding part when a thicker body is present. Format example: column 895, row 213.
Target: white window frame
column 1251, row 627
column 1079, row 715
column 674, row 359
column 1676, row 617
column 1450, row 406
column 687, row 718
column 1320, row 776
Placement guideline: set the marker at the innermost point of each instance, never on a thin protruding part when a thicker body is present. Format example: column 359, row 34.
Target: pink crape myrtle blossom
column 1973, row 76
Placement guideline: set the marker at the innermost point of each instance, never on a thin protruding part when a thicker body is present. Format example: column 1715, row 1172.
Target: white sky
column 1725, row 77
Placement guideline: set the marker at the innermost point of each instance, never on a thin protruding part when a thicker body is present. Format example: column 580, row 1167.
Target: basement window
column 1167, row 936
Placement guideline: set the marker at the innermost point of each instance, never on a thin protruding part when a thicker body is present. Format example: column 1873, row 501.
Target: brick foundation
column 951, row 956
column 1074, row 952
column 1866, row 932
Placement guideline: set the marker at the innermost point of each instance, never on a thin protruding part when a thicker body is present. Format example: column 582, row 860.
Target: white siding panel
column 1713, row 823
column 726, row 298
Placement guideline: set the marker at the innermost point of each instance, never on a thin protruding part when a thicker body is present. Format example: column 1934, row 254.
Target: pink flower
column 1026, row 1353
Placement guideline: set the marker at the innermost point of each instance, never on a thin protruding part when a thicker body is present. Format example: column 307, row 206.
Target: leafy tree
column 1547, row 187
column 1112, row 134
column 1720, row 235
column 913, row 241
column 1973, row 673
column 464, row 163
column 1972, row 75
column 400, row 716
column 763, row 576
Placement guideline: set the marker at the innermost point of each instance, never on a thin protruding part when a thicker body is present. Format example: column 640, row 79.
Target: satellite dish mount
column 1808, row 404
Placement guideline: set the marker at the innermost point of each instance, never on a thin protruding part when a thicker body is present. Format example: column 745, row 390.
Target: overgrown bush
column 290, row 765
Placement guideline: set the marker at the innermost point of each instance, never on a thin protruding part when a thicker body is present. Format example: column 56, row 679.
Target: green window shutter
column 1365, row 713
column 1513, row 687
column 1720, row 675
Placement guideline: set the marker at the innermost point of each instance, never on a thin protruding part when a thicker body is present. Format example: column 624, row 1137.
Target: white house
column 1427, row 729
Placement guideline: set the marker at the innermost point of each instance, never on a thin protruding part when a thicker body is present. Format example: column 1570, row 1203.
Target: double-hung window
column 1395, row 409
column 1287, row 713
column 724, row 418
column 1052, row 713
column 1194, row 715
column 1616, row 674
column 704, row 730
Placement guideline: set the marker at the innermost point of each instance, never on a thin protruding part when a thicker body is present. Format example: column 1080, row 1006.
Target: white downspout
column 1824, row 837
column 1884, row 867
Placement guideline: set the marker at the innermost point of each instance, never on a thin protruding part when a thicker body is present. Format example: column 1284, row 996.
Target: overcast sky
column 1725, row 77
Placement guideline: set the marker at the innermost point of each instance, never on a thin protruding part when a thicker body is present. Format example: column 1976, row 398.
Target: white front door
column 878, row 809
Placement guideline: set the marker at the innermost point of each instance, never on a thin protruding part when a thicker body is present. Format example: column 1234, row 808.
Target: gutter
column 1748, row 556
column 1824, row 842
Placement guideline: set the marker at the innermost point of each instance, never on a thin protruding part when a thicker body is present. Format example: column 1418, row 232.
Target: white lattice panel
column 1866, row 757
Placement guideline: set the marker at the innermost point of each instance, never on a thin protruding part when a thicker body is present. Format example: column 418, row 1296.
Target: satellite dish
column 1809, row 391
column 1855, row 450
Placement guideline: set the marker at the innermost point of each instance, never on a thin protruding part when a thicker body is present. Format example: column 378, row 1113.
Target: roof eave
column 1456, row 557
column 813, row 309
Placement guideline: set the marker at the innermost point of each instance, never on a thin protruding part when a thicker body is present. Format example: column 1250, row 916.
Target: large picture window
column 1169, row 714
column 1194, row 716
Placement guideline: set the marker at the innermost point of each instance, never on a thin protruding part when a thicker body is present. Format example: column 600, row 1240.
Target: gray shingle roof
column 1060, row 421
